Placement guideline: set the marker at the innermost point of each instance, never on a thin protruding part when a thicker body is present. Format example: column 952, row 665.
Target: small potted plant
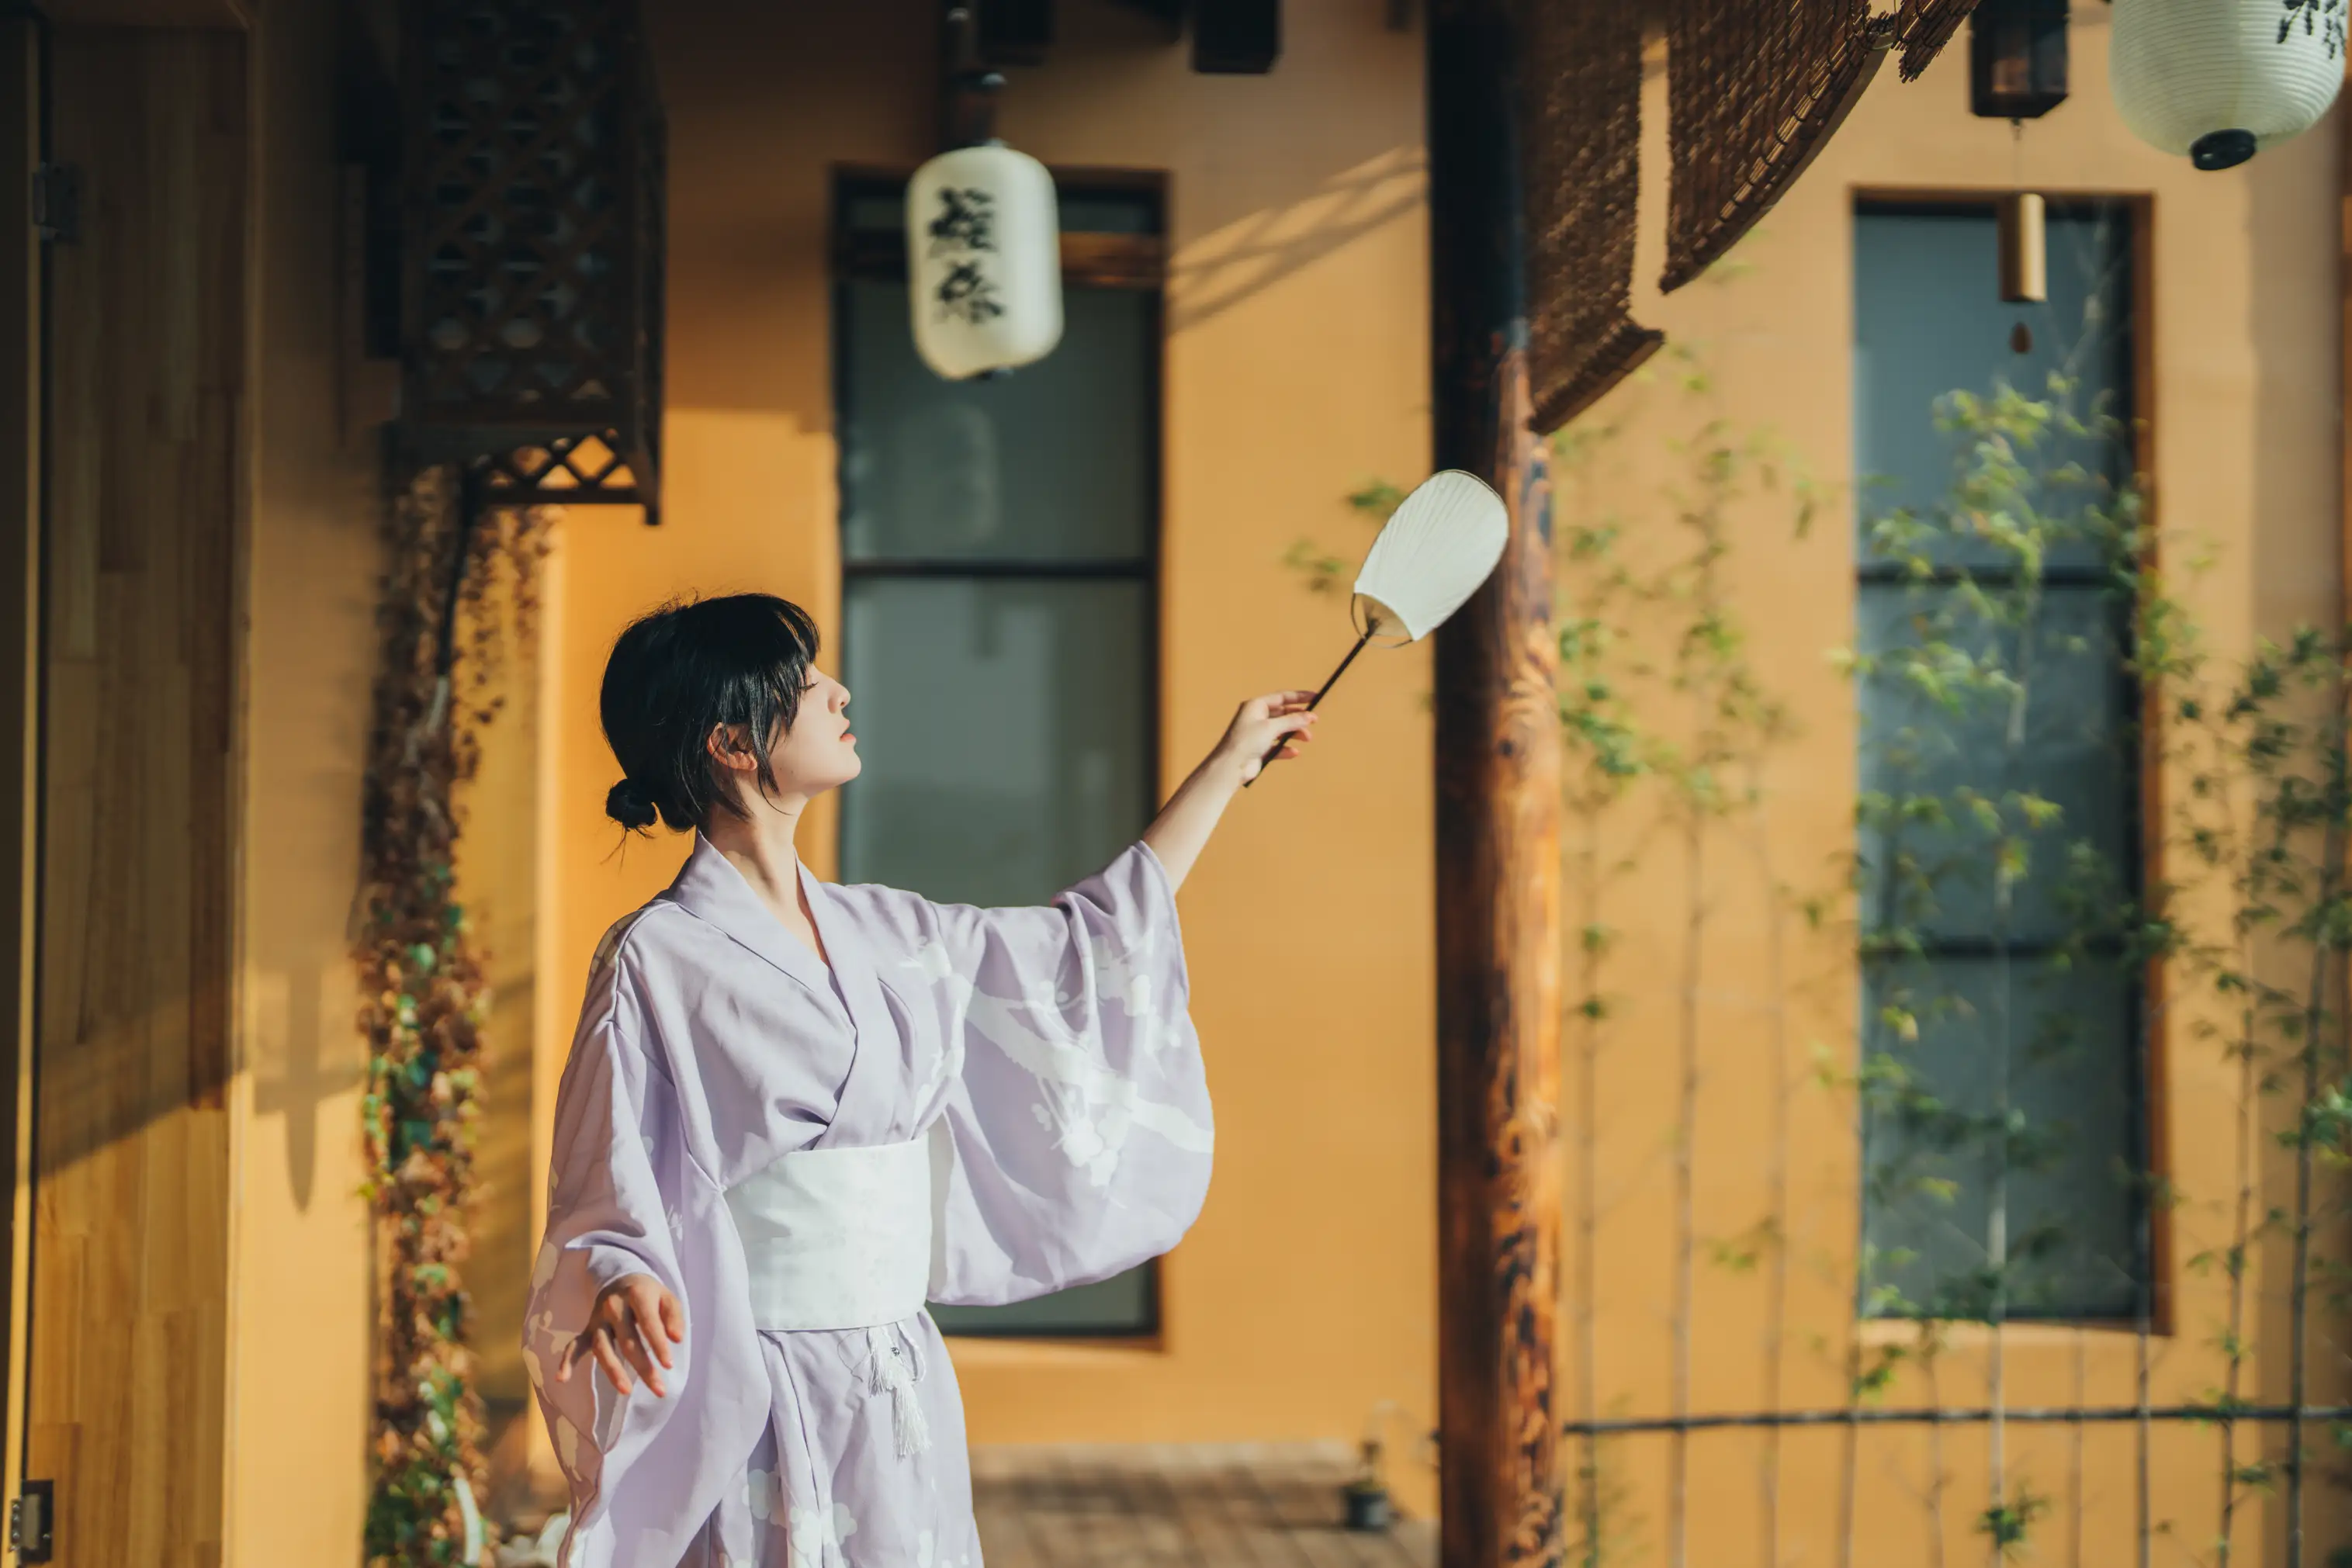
column 1366, row 1496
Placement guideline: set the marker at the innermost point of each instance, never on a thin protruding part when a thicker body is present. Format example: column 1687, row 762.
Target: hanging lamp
column 2219, row 79
column 983, row 236
column 2017, row 58
column 532, row 219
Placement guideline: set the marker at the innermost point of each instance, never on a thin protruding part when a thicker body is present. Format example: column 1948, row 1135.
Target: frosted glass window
column 1051, row 462
column 1973, row 1015
column 1004, row 726
column 999, row 615
column 2075, row 751
column 1929, row 319
column 2072, row 1213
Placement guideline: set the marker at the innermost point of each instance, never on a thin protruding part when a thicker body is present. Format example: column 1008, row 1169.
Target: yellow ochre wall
column 301, row 1317
column 2245, row 402
column 1296, row 369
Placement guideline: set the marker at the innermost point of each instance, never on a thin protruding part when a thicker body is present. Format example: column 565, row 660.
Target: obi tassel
column 896, row 1369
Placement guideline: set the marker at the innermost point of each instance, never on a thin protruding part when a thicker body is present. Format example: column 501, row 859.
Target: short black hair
column 679, row 673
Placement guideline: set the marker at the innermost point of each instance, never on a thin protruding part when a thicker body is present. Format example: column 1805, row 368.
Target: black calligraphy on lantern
column 2323, row 19
column 967, row 220
column 968, row 294
column 965, row 229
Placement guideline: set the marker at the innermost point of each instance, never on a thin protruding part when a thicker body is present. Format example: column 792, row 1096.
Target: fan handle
column 1267, row 760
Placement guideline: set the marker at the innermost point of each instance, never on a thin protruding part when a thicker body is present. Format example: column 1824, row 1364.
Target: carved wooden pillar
column 1498, row 842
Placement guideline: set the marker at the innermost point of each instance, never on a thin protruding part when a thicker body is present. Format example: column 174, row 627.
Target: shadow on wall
column 294, row 1077
column 1219, row 271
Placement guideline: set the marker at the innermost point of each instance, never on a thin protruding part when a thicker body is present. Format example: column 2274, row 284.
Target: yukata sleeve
column 628, row 1195
column 1075, row 1134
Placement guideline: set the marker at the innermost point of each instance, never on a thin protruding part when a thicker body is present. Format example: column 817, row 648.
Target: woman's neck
column 761, row 848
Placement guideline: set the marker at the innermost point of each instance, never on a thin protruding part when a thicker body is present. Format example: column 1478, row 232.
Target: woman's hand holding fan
column 1432, row 554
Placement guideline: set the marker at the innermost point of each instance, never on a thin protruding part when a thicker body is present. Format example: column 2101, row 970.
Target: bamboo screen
column 1755, row 87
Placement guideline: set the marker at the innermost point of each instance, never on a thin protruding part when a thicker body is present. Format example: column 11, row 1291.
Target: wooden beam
column 1498, row 843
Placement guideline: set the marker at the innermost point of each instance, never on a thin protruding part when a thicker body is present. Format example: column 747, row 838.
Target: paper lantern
column 2218, row 80
column 983, row 261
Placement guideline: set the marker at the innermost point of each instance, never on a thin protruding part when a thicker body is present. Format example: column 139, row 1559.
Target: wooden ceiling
column 232, row 14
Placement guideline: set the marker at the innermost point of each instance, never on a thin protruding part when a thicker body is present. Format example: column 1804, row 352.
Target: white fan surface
column 1432, row 554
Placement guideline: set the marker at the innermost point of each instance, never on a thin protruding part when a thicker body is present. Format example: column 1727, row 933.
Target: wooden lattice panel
column 564, row 468
column 532, row 287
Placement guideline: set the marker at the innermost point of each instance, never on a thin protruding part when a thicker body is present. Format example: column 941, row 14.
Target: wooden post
column 1498, row 843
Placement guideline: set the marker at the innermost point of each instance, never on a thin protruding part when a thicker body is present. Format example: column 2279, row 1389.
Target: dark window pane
column 1929, row 319
column 1052, row 463
column 1934, row 736
column 878, row 214
column 2055, row 1046
column 1122, row 1303
column 1005, row 730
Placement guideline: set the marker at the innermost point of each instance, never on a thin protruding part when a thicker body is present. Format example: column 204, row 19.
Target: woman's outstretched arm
column 1182, row 827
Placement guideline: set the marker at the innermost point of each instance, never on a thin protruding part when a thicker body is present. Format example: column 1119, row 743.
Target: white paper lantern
column 2217, row 79
column 983, row 261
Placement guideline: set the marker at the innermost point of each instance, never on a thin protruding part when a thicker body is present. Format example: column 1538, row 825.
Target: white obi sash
column 841, row 1239
column 837, row 1238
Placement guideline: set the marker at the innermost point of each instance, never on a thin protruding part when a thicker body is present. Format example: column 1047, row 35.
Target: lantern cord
column 970, row 111
column 2021, row 336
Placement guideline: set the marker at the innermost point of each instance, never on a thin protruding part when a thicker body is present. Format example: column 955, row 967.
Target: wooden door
column 130, row 1249
column 23, row 117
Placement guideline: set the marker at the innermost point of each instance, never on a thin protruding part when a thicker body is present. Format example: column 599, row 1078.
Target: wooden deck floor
column 1193, row 1506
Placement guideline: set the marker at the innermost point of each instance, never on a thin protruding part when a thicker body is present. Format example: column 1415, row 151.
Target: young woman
column 795, row 1113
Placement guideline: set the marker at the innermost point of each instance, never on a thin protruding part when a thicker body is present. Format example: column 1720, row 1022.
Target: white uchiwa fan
column 1434, row 550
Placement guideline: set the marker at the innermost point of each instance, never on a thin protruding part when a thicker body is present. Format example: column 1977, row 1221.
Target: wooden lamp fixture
column 532, row 219
column 2017, row 58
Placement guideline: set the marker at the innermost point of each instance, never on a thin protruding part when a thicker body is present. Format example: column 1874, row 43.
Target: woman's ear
column 730, row 746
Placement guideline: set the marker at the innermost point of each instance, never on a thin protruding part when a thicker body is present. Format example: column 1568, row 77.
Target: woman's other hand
column 633, row 1324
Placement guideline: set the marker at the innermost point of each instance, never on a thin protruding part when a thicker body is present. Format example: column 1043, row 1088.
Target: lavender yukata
column 973, row 1106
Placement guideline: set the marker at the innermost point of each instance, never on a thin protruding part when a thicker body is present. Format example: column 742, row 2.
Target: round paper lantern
column 983, row 261
column 2217, row 79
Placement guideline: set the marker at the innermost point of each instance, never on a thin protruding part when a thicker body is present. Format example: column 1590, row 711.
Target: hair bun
column 628, row 804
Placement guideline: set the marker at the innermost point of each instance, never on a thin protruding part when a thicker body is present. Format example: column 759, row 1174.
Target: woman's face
column 817, row 753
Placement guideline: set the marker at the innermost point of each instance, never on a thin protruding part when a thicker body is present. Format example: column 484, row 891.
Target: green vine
column 423, row 1003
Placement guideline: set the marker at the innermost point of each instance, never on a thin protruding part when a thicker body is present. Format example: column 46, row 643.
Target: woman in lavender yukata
column 795, row 1113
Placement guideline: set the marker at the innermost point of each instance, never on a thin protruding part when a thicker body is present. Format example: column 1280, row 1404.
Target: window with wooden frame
column 1999, row 833
column 1000, row 548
